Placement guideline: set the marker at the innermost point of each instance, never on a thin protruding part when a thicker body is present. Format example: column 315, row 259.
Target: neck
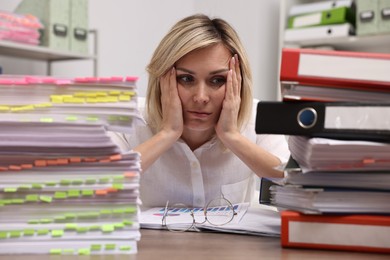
column 194, row 139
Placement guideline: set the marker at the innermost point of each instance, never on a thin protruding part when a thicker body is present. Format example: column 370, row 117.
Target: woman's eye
column 185, row 79
column 218, row 81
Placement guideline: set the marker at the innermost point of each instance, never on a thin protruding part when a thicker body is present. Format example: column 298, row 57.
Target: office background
column 129, row 31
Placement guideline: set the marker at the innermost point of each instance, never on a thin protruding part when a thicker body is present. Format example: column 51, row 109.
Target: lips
column 199, row 114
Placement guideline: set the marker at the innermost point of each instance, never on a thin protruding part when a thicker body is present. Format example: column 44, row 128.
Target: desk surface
column 161, row 244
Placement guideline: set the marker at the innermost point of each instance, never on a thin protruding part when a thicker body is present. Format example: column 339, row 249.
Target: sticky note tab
column 84, row 251
column 109, row 246
column 124, row 248
column 47, row 199
column 96, row 247
column 108, row 228
column 71, row 226
column 87, row 192
column 55, row 251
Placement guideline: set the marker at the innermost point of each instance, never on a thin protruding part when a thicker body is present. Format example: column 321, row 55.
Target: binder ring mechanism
column 307, row 117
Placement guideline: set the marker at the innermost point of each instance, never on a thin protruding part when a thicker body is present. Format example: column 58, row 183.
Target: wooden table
column 161, row 245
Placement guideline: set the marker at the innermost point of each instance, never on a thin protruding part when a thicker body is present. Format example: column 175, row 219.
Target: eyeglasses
column 180, row 218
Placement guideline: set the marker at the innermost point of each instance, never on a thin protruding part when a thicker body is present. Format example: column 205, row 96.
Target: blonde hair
column 192, row 33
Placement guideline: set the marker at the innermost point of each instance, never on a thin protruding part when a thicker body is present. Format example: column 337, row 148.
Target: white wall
column 129, row 31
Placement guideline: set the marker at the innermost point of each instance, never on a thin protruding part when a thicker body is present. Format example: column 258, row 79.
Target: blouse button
column 194, row 165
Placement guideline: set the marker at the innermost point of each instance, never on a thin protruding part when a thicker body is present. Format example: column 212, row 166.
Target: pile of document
column 20, row 28
column 340, row 164
column 65, row 186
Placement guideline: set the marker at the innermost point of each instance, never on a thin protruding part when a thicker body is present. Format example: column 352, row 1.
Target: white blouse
column 197, row 177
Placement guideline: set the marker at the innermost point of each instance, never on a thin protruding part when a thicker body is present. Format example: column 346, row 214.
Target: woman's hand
column 171, row 105
column 227, row 123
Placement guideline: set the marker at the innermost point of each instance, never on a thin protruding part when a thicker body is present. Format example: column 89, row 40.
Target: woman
column 199, row 141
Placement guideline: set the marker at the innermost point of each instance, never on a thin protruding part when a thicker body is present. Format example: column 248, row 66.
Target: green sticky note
column 55, row 251
column 28, row 232
column 17, row 201
column 107, row 228
column 119, row 225
column 11, row 189
column 60, row 219
column 60, row 195
column 24, row 187
column 42, row 232
column 3, row 234
column 69, row 251
column 105, row 212
column 125, row 248
column 77, row 182
column 47, row 120
column 90, row 181
column 87, row 193
column 130, row 210
column 70, row 216
column 37, row 186
column 50, row 183
column 45, row 221
column 32, row 198
column 94, row 228
column 104, row 180
column 71, row 226
column 96, row 247
column 57, row 233
column 124, row 118
column 82, row 230
column 15, row 233
column 33, row 221
column 118, row 211
column 118, row 178
column 45, row 198
column 71, row 118
column 118, row 186
column 92, row 118
column 65, row 182
column 84, row 251
column 127, row 222
column 109, row 246
column 73, row 193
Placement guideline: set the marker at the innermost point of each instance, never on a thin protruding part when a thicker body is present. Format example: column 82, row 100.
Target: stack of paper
column 20, row 28
column 65, row 188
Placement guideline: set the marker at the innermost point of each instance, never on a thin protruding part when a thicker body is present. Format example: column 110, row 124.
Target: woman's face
column 201, row 78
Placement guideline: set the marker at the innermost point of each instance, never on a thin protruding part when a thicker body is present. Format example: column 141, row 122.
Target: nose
column 201, row 94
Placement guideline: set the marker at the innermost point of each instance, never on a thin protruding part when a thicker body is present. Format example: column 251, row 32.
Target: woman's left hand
column 227, row 123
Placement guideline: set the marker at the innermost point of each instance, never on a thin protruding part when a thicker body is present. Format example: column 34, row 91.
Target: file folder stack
column 65, row 186
column 320, row 20
column 339, row 173
column 20, row 28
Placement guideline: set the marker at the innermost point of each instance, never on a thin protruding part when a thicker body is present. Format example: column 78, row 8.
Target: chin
column 199, row 127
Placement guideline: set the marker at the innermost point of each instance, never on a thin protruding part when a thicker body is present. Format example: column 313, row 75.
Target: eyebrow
column 211, row 73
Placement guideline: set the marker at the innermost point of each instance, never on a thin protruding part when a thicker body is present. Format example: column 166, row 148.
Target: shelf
column 38, row 52
column 371, row 43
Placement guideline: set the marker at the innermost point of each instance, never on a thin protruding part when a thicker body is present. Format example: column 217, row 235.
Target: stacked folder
column 65, row 186
column 320, row 20
column 328, row 19
column 336, row 189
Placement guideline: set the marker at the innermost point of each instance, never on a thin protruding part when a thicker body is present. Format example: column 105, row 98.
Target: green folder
column 366, row 17
column 384, row 16
column 332, row 16
column 78, row 26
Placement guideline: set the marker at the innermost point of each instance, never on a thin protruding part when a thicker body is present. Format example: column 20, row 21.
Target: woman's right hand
column 172, row 122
